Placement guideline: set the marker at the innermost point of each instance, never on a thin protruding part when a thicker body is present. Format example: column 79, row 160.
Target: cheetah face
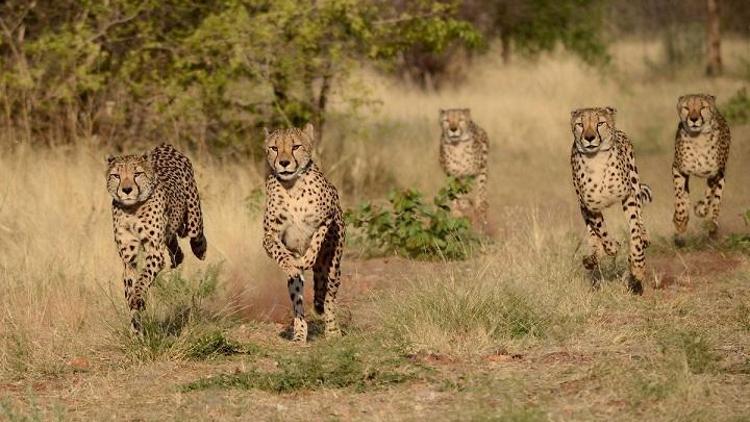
column 696, row 112
column 130, row 178
column 455, row 125
column 288, row 151
column 593, row 129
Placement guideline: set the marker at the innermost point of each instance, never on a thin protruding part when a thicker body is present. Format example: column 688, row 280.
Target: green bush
column 415, row 229
column 737, row 108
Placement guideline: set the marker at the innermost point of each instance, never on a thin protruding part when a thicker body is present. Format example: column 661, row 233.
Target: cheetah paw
column 611, row 247
column 635, row 286
column 701, row 208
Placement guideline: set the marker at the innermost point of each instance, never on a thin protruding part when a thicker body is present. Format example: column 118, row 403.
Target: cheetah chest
column 700, row 155
column 601, row 180
column 300, row 216
column 461, row 159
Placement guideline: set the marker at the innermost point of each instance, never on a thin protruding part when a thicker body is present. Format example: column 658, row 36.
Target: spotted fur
column 303, row 224
column 604, row 172
column 464, row 147
column 701, row 149
column 154, row 200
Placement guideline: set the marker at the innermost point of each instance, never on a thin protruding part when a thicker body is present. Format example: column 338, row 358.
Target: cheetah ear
column 266, row 132
column 110, row 158
column 711, row 99
column 467, row 112
column 309, row 130
column 612, row 112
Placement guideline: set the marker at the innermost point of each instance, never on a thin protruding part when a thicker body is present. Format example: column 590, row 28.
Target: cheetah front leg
column 681, row 203
column 296, row 294
column 598, row 238
column 631, row 206
column 482, row 204
column 128, row 246
column 327, row 274
column 153, row 264
column 710, row 205
column 292, row 267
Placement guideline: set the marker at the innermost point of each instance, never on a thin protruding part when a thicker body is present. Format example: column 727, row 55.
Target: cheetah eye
column 274, row 149
column 116, row 176
column 600, row 123
column 138, row 173
column 579, row 124
column 295, row 147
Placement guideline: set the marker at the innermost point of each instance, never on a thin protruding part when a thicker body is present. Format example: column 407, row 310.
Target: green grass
column 333, row 365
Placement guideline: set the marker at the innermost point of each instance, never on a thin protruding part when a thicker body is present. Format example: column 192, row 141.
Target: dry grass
column 515, row 332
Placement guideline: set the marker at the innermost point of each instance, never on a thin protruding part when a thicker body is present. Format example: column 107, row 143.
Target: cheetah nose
column 284, row 163
column 453, row 129
column 693, row 119
column 126, row 190
column 589, row 138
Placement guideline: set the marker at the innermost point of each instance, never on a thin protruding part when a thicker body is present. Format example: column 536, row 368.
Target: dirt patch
column 564, row 357
column 685, row 269
column 267, row 300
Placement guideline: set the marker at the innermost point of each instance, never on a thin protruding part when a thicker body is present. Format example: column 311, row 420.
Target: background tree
column 713, row 38
column 523, row 27
column 211, row 73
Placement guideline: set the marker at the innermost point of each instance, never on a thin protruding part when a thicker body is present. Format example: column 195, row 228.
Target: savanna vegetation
column 497, row 327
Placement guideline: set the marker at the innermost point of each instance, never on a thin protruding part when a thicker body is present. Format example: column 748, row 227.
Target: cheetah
column 604, row 172
column 154, row 200
column 303, row 224
column 701, row 149
column 464, row 147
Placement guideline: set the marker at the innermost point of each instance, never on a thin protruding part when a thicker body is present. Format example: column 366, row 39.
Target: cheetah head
column 455, row 125
column 130, row 178
column 288, row 151
column 696, row 111
column 593, row 129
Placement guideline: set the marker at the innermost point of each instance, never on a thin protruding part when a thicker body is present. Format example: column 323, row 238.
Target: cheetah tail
column 199, row 245
column 645, row 194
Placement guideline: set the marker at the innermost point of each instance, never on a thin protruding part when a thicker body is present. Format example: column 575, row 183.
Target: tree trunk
column 713, row 38
column 505, row 43
column 319, row 119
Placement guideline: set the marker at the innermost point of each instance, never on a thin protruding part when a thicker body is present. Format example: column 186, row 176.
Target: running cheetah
column 154, row 200
column 464, row 147
column 303, row 224
column 604, row 172
column 701, row 149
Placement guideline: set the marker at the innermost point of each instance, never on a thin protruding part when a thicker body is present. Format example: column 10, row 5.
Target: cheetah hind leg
column 175, row 253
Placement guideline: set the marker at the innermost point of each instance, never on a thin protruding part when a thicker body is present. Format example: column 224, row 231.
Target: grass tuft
column 458, row 316
column 178, row 324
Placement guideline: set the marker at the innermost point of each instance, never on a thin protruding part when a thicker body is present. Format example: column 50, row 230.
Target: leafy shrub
column 737, row 108
column 412, row 228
